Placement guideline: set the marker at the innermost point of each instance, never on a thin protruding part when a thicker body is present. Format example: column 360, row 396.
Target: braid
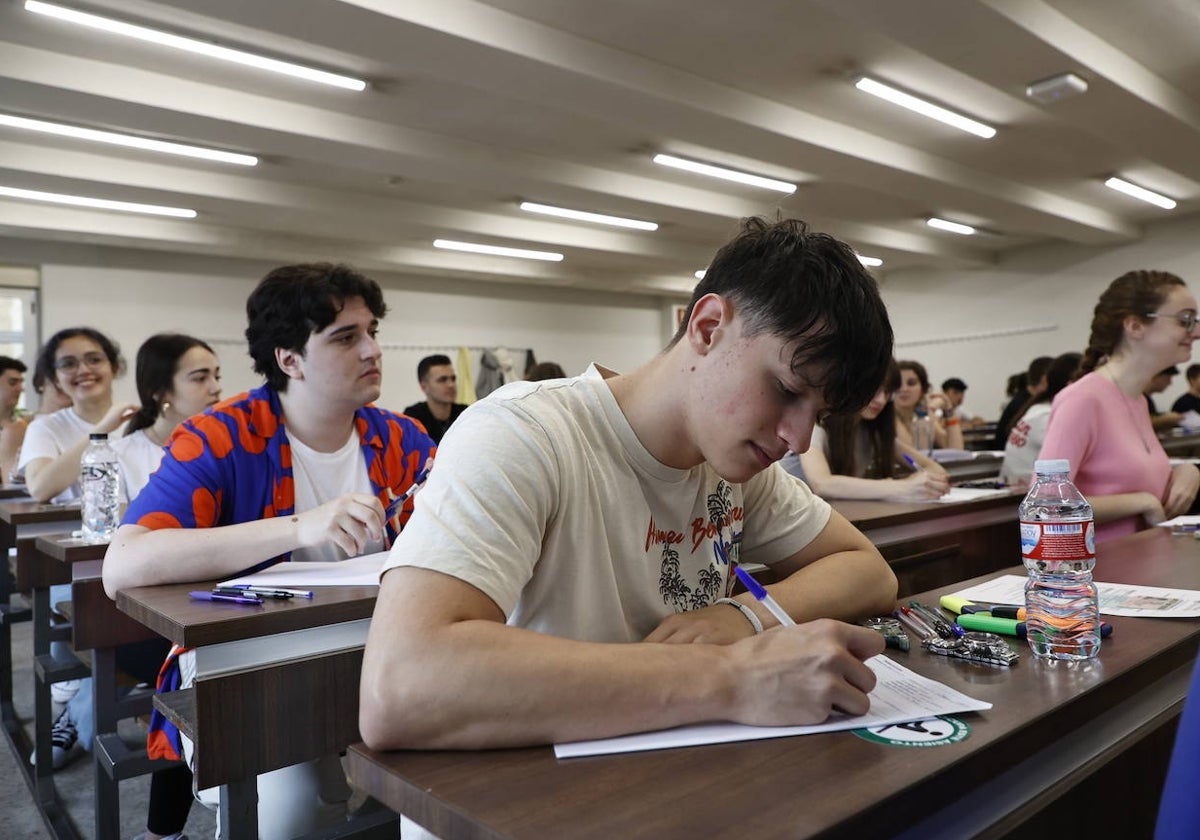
column 144, row 418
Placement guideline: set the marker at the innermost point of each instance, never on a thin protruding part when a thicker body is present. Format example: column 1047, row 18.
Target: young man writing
column 439, row 383
column 300, row 468
column 560, row 579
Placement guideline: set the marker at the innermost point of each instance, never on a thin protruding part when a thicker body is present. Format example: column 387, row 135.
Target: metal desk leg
column 107, row 788
column 43, row 772
column 238, row 816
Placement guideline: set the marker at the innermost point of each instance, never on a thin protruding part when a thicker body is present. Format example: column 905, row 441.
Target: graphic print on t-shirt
column 714, row 577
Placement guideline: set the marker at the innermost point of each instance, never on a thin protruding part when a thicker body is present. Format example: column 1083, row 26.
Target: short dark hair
column 9, row 363
column 425, row 364
column 1168, row 371
column 810, row 290
column 154, row 370
column 954, row 384
column 294, row 301
column 1192, row 372
column 1037, row 369
column 44, row 368
column 545, row 370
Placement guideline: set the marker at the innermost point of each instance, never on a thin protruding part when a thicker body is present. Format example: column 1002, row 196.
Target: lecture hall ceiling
column 474, row 107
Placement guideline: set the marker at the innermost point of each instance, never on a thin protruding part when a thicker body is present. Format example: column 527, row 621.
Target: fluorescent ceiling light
column 130, row 140
column 584, row 216
column 726, row 174
column 496, row 250
column 699, row 275
column 99, row 203
column 927, row 109
column 953, row 227
column 870, row 262
column 1140, row 192
column 193, row 45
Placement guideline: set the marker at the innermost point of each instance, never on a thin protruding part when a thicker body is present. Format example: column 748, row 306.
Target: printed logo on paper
column 931, row 732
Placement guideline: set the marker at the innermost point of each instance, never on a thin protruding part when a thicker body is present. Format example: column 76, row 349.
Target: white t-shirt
column 544, row 499
column 51, row 436
column 139, row 457
column 1025, row 444
column 323, row 476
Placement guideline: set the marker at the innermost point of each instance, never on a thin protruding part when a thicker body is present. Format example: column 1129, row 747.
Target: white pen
column 764, row 597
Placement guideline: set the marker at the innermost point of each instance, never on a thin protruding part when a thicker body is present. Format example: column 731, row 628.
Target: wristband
column 953, row 421
column 745, row 610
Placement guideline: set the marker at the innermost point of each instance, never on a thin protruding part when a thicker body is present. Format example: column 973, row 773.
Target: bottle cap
column 98, row 436
column 1050, row 466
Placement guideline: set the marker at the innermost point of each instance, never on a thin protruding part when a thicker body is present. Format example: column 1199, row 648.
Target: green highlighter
column 991, row 624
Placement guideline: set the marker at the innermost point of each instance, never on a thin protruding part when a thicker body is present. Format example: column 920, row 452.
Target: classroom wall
column 984, row 324
column 154, row 293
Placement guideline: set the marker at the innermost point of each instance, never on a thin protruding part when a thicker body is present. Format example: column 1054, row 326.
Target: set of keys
column 939, row 638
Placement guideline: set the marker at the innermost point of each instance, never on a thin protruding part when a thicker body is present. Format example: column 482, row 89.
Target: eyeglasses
column 69, row 364
column 1186, row 318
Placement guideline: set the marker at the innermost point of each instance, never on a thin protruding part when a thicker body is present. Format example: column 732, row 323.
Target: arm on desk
column 45, row 478
column 1121, row 505
column 928, row 483
column 140, row 556
column 441, row 670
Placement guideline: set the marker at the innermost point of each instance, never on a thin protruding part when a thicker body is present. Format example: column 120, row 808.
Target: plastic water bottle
column 1058, row 545
column 99, row 479
column 922, row 431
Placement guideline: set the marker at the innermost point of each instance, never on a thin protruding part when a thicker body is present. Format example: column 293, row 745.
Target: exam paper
column 900, row 696
column 1184, row 523
column 970, row 494
column 1115, row 598
column 357, row 571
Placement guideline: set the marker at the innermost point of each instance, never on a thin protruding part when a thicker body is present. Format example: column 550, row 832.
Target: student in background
column 545, row 370
column 12, row 422
column 50, row 400
column 1145, row 321
column 439, row 383
column 562, row 577
column 1189, row 401
column 85, row 362
column 913, row 396
column 955, row 391
column 1161, row 381
column 1035, row 383
column 1029, row 431
column 857, row 456
column 308, row 448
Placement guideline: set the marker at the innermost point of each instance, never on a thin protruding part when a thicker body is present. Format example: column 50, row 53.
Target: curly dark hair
column 810, row 290
column 294, row 301
column 44, row 369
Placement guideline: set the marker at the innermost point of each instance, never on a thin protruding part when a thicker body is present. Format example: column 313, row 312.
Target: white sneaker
column 63, row 738
column 62, row 692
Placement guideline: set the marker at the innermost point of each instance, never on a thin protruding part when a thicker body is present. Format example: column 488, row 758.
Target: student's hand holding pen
column 351, row 522
column 789, row 676
column 922, row 485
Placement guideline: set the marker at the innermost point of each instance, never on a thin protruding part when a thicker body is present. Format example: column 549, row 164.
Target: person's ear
column 710, row 319
column 289, row 362
column 1134, row 326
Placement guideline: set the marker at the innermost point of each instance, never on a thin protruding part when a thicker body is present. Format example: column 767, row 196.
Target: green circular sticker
column 931, row 732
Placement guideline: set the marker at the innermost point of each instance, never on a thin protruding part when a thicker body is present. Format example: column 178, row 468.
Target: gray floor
column 19, row 817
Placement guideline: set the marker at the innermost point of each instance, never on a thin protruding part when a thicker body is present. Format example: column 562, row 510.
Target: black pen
column 259, row 593
column 936, row 621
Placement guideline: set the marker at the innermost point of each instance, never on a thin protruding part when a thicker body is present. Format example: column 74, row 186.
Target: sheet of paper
column 1183, row 523
column 1115, row 598
column 900, row 696
column 970, row 494
column 357, row 571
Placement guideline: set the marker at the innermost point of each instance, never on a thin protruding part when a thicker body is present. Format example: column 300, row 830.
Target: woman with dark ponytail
column 1144, row 322
column 177, row 376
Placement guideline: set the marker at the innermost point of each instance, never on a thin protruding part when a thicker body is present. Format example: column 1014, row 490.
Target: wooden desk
column 276, row 684
column 983, row 465
column 1078, row 749
column 929, row 544
column 1181, row 446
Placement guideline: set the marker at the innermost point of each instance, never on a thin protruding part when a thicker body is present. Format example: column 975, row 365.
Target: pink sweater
column 1110, row 443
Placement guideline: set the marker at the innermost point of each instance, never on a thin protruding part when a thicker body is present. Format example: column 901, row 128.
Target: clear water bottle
column 922, row 431
column 1058, row 545
column 99, row 480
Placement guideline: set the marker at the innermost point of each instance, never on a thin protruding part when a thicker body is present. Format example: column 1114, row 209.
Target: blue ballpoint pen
column 764, row 597
column 229, row 599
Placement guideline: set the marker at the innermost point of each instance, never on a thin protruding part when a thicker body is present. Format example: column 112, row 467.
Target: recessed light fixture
column 585, row 216
column 699, row 275
column 869, row 262
column 953, row 227
column 927, row 109
column 193, row 45
column 1144, row 194
column 130, row 140
column 496, row 250
column 725, row 174
column 1055, row 88
column 98, row 203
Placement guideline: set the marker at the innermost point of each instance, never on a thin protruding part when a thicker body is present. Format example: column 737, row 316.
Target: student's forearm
column 141, row 557
column 46, row 478
column 476, row 684
column 1121, row 505
column 849, row 487
column 849, row 586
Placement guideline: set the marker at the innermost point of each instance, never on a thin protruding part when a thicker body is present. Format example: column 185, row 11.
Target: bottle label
column 1058, row 540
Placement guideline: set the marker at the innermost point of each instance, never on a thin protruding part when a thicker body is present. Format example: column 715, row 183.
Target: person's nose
column 796, row 426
